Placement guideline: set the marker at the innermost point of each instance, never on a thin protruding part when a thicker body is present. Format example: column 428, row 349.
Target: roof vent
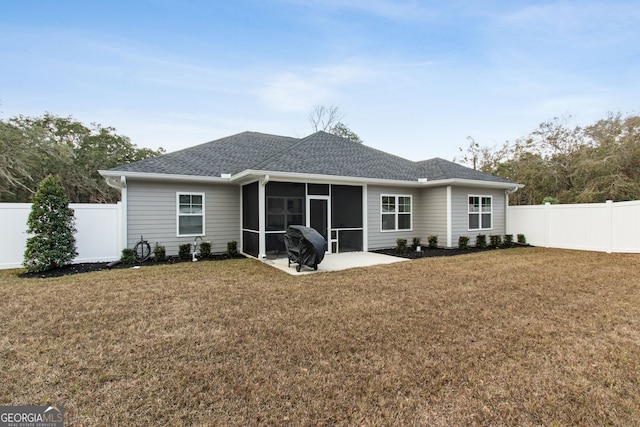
column 225, row 175
column 423, row 179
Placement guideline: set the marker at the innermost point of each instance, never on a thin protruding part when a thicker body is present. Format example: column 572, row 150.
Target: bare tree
column 325, row 118
column 329, row 119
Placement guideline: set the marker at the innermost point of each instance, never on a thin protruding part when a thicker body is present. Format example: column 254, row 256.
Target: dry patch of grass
column 523, row 337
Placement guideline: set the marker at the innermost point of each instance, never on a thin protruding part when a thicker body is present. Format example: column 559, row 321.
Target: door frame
column 328, row 213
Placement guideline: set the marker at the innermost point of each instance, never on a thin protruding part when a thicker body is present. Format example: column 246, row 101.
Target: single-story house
column 251, row 186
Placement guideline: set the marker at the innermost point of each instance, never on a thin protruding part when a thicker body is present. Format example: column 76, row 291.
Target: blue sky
column 413, row 78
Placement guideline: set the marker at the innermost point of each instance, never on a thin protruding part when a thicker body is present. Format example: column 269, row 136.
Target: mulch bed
column 98, row 266
column 438, row 252
column 88, row 267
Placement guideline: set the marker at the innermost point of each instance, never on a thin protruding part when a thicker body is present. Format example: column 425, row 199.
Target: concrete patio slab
column 336, row 262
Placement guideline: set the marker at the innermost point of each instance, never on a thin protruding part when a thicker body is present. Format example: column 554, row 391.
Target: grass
column 522, row 337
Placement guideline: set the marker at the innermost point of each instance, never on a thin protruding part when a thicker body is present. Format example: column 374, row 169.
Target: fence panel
column 98, row 236
column 606, row 227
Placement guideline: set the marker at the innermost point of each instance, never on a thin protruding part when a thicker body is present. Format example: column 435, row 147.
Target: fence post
column 609, row 206
column 547, row 223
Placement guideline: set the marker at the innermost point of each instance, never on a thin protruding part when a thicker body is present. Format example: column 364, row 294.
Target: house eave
column 249, row 175
column 470, row 183
column 165, row 177
column 252, row 174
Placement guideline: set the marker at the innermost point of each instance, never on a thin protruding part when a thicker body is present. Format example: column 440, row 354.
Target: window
column 396, row 213
column 190, row 214
column 480, row 212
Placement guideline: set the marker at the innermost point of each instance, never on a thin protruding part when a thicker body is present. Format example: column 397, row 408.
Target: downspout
column 124, row 196
column 262, row 212
column 122, row 186
column 507, row 192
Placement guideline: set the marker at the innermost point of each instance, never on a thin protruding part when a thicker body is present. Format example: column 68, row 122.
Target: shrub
column 205, row 249
column 508, row 240
column 128, row 256
column 463, row 242
column 401, row 246
column 522, row 239
column 415, row 243
column 159, row 253
column 496, row 240
column 184, row 251
column 433, row 242
column 51, row 222
column 232, row 248
column 481, row 241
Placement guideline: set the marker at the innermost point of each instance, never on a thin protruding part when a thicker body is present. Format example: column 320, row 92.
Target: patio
column 336, row 262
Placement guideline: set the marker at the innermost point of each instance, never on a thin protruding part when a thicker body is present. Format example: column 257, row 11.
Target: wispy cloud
column 299, row 91
column 390, row 9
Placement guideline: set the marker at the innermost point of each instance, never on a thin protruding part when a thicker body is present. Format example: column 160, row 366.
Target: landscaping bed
column 88, row 267
column 440, row 252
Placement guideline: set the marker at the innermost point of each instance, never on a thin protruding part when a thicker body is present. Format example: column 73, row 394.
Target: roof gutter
column 252, row 174
column 469, row 183
column 226, row 178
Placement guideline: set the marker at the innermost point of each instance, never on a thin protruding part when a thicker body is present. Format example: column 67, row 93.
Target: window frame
column 396, row 213
column 181, row 214
column 480, row 212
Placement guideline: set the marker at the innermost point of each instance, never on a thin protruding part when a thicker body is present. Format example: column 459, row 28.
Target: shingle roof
column 325, row 154
column 437, row 169
column 319, row 154
column 231, row 154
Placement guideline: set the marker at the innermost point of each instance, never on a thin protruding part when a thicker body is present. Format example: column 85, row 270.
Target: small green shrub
column 495, row 240
column 159, row 253
column 415, row 243
column 52, row 225
column 128, row 256
column 205, row 249
column 463, row 242
column 401, row 246
column 508, row 240
column 433, row 242
column 481, row 241
column 232, row 248
column 184, row 251
column 521, row 239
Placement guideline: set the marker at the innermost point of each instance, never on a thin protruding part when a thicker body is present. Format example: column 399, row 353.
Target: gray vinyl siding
column 151, row 212
column 432, row 214
column 377, row 239
column 460, row 213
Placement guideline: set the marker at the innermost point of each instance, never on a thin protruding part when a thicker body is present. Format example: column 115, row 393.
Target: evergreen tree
column 51, row 222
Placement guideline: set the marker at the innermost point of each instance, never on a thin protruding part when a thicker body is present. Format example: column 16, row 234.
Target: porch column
column 262, row 214
column 449, row 219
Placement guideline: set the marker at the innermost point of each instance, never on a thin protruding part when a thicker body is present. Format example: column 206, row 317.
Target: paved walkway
column 336, row 262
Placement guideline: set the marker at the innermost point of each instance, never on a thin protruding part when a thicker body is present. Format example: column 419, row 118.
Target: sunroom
column 269, row 207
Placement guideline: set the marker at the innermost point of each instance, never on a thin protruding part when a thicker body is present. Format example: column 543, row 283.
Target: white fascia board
column 249, row 175
column 470, row 183
column 165, row 177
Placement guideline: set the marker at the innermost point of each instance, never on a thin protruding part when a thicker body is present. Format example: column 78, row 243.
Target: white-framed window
column 480, row 212
column 396, row 212
column 190, row 214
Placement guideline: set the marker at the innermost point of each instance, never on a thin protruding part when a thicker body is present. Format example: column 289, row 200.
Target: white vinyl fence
column 98, row 236
column 605, row 227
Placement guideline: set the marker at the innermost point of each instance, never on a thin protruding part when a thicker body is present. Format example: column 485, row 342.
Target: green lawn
column 510, row 337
